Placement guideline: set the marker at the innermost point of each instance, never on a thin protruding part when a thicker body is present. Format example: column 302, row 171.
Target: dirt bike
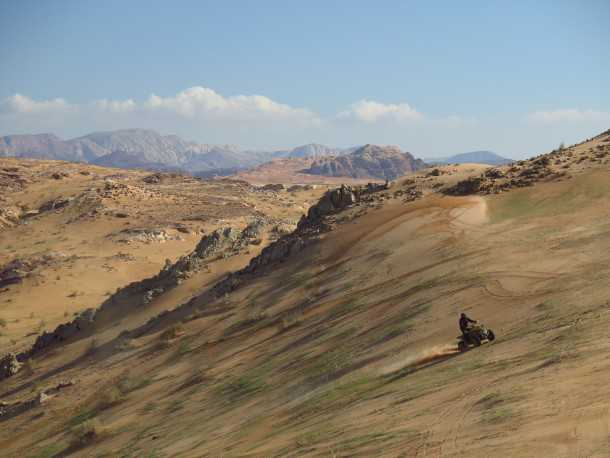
column 475, row 336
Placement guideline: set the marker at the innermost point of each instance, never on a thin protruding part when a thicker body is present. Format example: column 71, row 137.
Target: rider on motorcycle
column 465, row 323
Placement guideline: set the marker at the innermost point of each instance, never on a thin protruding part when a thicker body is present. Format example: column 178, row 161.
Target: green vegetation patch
column 374, row 440
column 551, row 201
column 336, row 397
column 498, row 407
column 83, row 415
column 50, row 450
column 242, row 387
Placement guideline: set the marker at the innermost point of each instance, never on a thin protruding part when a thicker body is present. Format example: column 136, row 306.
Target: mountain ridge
column 368, row 161
column 472, row 157
column 144, row 148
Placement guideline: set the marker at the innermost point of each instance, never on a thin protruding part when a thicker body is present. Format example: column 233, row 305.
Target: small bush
column 2, row 323
column 82, row 416
column 150, row 407
column 243, row 386
column 184, row 348
column 110, row 398
column 172, row 332
column 125, row 345
column 290, row 321
column 126, row 384
column 85, row 434
column 51, row 450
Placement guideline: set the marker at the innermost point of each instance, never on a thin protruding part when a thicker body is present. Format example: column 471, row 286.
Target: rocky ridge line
column 223, row 242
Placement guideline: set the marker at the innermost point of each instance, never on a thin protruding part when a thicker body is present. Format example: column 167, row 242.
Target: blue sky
column 433, row 77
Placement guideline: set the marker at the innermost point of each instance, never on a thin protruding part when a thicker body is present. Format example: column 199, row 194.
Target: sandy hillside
column 77, row 233
column 339, row 339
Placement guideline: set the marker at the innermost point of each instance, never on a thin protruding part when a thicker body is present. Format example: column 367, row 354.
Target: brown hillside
column 339, row 338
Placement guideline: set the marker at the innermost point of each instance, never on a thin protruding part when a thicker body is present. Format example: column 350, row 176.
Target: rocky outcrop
column 9, row 217
column 369, row 161
column 222, row 242
column 14, row 272
column 495, row 180
column 9, row 366
column 310, row 225
column 55, row 204
column 335, row 200
column 142, row 235
column 20, row 268
column 82, row 323
column 299, row 188
column 275, row 187
column 9, row 410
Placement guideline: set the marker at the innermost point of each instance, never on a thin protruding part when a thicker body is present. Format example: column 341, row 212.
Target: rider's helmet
column 462, row 315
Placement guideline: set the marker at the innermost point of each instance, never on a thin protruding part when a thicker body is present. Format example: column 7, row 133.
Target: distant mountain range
column 368, row 161
column 473, row 157
column 141, row 148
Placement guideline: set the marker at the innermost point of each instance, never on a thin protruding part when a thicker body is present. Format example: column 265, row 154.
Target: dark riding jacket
column 464, row 321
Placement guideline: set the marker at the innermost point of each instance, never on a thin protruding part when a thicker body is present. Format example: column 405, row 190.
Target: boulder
column 55, row 204
column 331, row 202
column 9, row 366
column 14, row 272
column 273, row 187
column 465, row 187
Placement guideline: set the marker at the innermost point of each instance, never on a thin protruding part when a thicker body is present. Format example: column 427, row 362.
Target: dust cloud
column 422, row 357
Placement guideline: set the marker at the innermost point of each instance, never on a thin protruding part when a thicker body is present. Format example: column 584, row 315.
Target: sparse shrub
column 184, row 348
column 127, row 383
column 2, row 323
column 290, row 320
column 125, row 345
column 51, row 450
column 150, row 407
column 172, row 332
column 82, row 416
column 85, row 434
column 175, row 406
column 110, row 398
column 243, row 386
column 91, row 348
column 124, row 385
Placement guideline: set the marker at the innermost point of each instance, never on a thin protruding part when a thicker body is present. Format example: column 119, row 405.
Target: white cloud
column 205, row 102
column 21, row 104
column 370, row 111
column 252, row 121
column 569, row 115
column 115, row 106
